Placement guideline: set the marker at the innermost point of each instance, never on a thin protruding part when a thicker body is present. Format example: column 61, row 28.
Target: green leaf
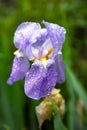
column 58, row 124
column 77, row 86
column 71, row 106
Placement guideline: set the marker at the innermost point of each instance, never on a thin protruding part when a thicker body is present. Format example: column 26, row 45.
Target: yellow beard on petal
column 19, row 54
column 16, row 52
column 44, row 61
column 45, row 58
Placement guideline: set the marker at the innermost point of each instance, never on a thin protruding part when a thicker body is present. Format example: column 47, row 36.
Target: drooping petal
column 23, row 34
column 50, row 80
column 59, row 68
column 56, row 34
column 19, row 68
column 39, row 81
column 33, row 80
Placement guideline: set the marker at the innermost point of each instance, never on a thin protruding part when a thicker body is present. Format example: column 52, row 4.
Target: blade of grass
column 58, row 124
column 77, row 86
column 71, row 107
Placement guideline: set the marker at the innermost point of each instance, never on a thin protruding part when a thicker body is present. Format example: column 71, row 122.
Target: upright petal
column 39, row 36
column 47, row 45
column 59, row 68
column 56, row 34
column 39, row 81
column 24, row 33
column 19, row 68
column 37, row 40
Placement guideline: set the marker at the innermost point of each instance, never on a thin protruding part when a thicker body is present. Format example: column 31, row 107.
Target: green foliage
column 17, row 112
column 58, row 124
column 77, row 87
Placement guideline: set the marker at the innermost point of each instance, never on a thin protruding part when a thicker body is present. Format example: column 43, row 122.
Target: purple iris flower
column 42, row 46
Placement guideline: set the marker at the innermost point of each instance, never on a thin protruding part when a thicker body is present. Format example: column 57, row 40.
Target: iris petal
column 59, row 68
column 23, row 34
column 19, row 68
column 38, row 37
column 33, row 80
column 41, row 45
column 39, row 81
column 56, row 34
column 49, row 81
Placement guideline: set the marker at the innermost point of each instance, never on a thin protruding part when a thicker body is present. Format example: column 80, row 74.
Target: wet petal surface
column 43, row 47
column 19, row 68
column 39, row 81
column 56, row 34
column 60, row 68
column 23, row 34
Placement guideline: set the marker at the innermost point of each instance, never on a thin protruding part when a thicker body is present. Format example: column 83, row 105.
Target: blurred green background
column 17, row 112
